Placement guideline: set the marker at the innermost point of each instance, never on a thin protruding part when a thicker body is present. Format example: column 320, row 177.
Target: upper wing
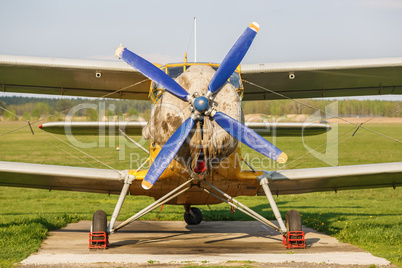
column 114, row 79
column 322, row 79
column 61, row 178
column 89, row 78
column 308, row 180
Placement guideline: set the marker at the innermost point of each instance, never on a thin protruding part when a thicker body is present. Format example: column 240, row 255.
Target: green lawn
column 370, row 219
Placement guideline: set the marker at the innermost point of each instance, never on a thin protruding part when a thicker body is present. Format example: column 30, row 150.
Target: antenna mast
column 195, row 39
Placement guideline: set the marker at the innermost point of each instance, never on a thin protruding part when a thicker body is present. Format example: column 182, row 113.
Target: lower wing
column 309, row 180
column 295, row 181
column 61, row 178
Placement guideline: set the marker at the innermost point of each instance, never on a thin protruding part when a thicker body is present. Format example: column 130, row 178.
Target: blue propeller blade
column 152, row 72
column 167, row 153
column 249, row 137
column 233, row 58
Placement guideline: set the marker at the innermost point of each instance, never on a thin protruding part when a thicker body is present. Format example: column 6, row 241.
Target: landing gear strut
column 99, row 235
column 293, row 236
column 291, row 230
column 192, row 216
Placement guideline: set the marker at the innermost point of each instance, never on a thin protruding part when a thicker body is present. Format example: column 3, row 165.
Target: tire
column 293, row 221
column 193, row 219
column 99, row 223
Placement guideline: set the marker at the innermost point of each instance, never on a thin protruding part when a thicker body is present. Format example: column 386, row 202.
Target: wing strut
column 246, row 210
column 127, row 182
column 155, row 204
column 271, row 200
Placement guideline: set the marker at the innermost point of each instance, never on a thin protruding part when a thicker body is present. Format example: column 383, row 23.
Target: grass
column 370, row 219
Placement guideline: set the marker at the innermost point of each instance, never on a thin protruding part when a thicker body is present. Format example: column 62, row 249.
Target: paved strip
column 212, row 242
column 328, row 258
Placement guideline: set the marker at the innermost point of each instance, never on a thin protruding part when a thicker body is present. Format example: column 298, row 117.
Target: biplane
column 196, row 125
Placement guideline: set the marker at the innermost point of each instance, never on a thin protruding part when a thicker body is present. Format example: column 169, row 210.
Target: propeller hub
column 201, row 104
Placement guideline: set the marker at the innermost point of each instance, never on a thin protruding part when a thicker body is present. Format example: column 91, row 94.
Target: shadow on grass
column 49, row 224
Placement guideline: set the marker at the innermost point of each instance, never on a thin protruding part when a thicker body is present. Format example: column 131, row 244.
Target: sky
column 161, row 31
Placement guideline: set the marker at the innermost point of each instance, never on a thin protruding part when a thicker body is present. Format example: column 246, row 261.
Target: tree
column 35, row 113
column 91, row 115
column 43, row 108
column 10, row 115
column 26, row 116
column 3, row 105
column 64, row 105
column 120, row 115
column 110, row 115
column 132, row 112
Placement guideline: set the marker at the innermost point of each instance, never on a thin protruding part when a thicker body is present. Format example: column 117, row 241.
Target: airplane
column 197, row 125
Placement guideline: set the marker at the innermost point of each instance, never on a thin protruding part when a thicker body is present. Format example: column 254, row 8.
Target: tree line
column 346, row 108
column 56, row 108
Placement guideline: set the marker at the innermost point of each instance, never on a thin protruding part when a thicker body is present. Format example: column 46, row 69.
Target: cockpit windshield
column 175, row 70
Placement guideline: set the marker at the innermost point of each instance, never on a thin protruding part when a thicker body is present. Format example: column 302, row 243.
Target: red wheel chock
column 98, row 240
column 294, row 239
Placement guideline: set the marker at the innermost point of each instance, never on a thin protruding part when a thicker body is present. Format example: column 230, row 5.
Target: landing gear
column 192, row 216
column 98, row 237
column 99, row 234
column 295, row 236
column 166, row 198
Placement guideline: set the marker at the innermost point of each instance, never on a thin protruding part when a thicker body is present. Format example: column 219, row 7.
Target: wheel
column 99, row 223
column 194, row 217
column 293, row 221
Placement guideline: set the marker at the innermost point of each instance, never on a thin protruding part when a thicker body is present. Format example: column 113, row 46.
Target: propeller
column 233, row 58
column 152, row 72
column 249, row 137
column 167, row 153
column 201, row 106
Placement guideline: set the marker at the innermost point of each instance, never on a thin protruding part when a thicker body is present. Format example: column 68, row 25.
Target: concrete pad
column 210, row 242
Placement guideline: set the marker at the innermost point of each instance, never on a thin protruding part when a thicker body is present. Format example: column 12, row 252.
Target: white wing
column 322, row 79
column 89, row 78
column 61, row 178
column 308, row 180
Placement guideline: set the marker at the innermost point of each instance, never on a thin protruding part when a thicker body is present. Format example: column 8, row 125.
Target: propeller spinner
column 202, row 106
